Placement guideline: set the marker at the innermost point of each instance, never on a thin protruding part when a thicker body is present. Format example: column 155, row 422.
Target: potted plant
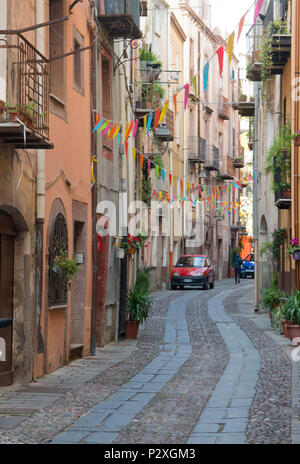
column 68, row 267
column 291, row 309
column 243, row 97
column 138, row 305
column 294, row 249
column 271, row 299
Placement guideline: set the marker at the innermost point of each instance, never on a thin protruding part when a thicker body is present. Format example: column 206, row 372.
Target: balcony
column 197, row 149
column 283, row 198
column 121, row 18
column 281, row 41
column 227, row 172
column 212, row 158
column 246, row 108
column 223, row 108
column 24, row 118
column 239, row 162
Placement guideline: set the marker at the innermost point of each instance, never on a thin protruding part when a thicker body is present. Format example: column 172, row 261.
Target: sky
column 226, row 15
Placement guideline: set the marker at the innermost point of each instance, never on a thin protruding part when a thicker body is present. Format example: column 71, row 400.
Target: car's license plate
column 188, row 281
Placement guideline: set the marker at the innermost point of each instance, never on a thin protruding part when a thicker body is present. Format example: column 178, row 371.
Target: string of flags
column 113, row 128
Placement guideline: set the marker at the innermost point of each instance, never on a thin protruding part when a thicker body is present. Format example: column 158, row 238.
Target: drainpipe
column 296, row 179
column 123, row 209
column 40, row 204
column 255, row 193
column 94, row 150
column 171, row 159
column 229, row 152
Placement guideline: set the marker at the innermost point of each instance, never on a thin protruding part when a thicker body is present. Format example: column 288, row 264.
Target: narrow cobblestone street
column 205, row 369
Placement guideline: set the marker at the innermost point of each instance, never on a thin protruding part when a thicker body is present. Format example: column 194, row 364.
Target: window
column 57, row 72
column 78, row 57
column 190, row 261
column 58, row 294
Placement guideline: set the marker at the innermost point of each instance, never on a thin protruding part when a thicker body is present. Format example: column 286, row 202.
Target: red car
column 193, row 271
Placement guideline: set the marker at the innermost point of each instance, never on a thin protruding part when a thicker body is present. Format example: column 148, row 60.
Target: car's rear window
column 250, row 258
column 190, row 261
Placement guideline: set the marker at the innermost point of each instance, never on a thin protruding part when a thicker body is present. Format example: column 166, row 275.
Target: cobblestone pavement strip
column 268, row 422
column 41, row 424
column 225, row 417
column 171, row 414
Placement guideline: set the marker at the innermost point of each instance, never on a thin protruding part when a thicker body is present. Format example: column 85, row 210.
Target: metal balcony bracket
column 73, row 5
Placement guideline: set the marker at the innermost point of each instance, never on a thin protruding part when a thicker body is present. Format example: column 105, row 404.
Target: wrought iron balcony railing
column 121, row 18
column 24, row 117
column 197, row 149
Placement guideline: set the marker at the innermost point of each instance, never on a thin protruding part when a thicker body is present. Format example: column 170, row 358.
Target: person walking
column 237, row 262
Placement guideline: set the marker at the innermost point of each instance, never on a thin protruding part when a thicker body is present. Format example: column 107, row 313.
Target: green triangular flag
column 195, row 86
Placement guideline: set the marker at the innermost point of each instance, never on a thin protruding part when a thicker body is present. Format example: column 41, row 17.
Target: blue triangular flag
column 205, row 76
column 149, row 122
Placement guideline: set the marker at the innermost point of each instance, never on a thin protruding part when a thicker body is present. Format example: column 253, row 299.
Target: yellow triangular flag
column 145, row 125
column 134, row 154
column 230, row 46
column 163, row 113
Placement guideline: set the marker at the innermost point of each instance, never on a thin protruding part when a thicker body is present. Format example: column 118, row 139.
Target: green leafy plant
column 138, row 304
column 291, row 308
column 66, row 266
column 265, row 53
column 279, row 238
column 143, row 279
column 279, row 158
column 146, row 54
column 272, row 297
column 293, row 246
column 146, row 191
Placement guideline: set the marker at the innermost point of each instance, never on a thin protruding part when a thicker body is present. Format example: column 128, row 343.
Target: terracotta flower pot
column 293, row 332
column 284, row 326
column 132, row 328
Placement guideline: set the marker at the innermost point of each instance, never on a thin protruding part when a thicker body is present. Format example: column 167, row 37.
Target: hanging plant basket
column 296, row 255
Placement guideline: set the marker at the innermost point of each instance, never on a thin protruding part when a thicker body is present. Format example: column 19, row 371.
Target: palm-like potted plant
column 138, row 304
column 291, row 311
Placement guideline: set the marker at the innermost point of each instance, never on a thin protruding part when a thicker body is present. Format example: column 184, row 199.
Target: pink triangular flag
column 220, row 53
column 135, row 128
column 186, row 94
column 257, row 9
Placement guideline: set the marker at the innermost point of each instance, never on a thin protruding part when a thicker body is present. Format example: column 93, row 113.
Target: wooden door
column 6, row 306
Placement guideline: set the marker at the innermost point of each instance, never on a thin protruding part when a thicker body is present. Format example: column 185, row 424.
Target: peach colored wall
column 72, row 153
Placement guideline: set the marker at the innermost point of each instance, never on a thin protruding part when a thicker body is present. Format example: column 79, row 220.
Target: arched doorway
column 7, row 237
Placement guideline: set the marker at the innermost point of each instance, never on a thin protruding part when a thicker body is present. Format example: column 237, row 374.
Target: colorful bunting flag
column 134, row 154
column 104, row 126
column 126, row 147
column 241, row 25
column 141, row 161
column 231, row 46
column 117, row 132
column 149, row 122
column 205, row 76
column 156, row 118
column 186, row 95
column 175, row 103
column 194, row 80
column 257, row 9
column 220, row 53
column 136, row 125
column 163, row 113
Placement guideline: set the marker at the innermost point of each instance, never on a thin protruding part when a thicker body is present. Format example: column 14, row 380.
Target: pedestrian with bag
column 237, row 262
